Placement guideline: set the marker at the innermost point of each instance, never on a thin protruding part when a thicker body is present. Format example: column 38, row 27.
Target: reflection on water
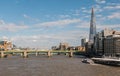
column 55, row 66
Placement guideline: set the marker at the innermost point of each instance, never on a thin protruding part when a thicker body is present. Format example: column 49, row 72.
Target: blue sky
column 45, row 23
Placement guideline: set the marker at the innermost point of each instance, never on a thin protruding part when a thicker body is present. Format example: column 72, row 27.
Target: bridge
column 25, row 53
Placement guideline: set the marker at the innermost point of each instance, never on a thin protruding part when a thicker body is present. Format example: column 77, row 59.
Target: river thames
column 59, row 65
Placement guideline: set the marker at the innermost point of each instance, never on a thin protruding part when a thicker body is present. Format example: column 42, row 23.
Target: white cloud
column 11, row 26
column 60, row 22
column 86, row 11
column 34, row 40
column 2, row 22
column 25, row 16
column 4, row 38
column 98, row 15
column 64, row 16
column 112, row 7
column 87, row 16
column 108, row 26
column 73, row 37
column 97, row 8
column 47, row 40
column 113, row 3
column 83, row 8
column 30, row 18
column 115, row 15
column 86, row 25
column 100, row 1
column 77, row 12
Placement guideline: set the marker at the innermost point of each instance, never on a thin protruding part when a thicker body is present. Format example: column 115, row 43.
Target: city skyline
column 42, row 24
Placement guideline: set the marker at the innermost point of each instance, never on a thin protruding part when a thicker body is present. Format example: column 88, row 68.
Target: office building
column 112, row 46
column 63, row 46
column 83, row 42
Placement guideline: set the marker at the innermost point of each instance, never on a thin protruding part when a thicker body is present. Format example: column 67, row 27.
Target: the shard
column 92, row 27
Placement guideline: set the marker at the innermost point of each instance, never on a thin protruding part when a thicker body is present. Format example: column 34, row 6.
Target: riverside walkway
column 110, row 61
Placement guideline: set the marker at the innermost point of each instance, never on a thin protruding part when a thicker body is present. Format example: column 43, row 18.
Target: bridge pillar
column 25, row 55
column 49, row 53
column 2, row 54
column 71, row 54
column 21, row 54
column 66, row 54
column 36, row 53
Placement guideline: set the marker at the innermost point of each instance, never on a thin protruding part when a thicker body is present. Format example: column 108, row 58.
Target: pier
column 109, row 61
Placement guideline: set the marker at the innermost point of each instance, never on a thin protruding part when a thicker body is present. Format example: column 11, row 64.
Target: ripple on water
column 54, row 66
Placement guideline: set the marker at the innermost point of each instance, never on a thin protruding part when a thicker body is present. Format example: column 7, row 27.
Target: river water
column 59, row 65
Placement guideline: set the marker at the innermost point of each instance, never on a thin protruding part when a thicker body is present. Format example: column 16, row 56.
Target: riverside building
column 107, row 43
column 112, row 45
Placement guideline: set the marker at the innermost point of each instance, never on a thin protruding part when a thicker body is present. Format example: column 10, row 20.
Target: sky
column 46, row 23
